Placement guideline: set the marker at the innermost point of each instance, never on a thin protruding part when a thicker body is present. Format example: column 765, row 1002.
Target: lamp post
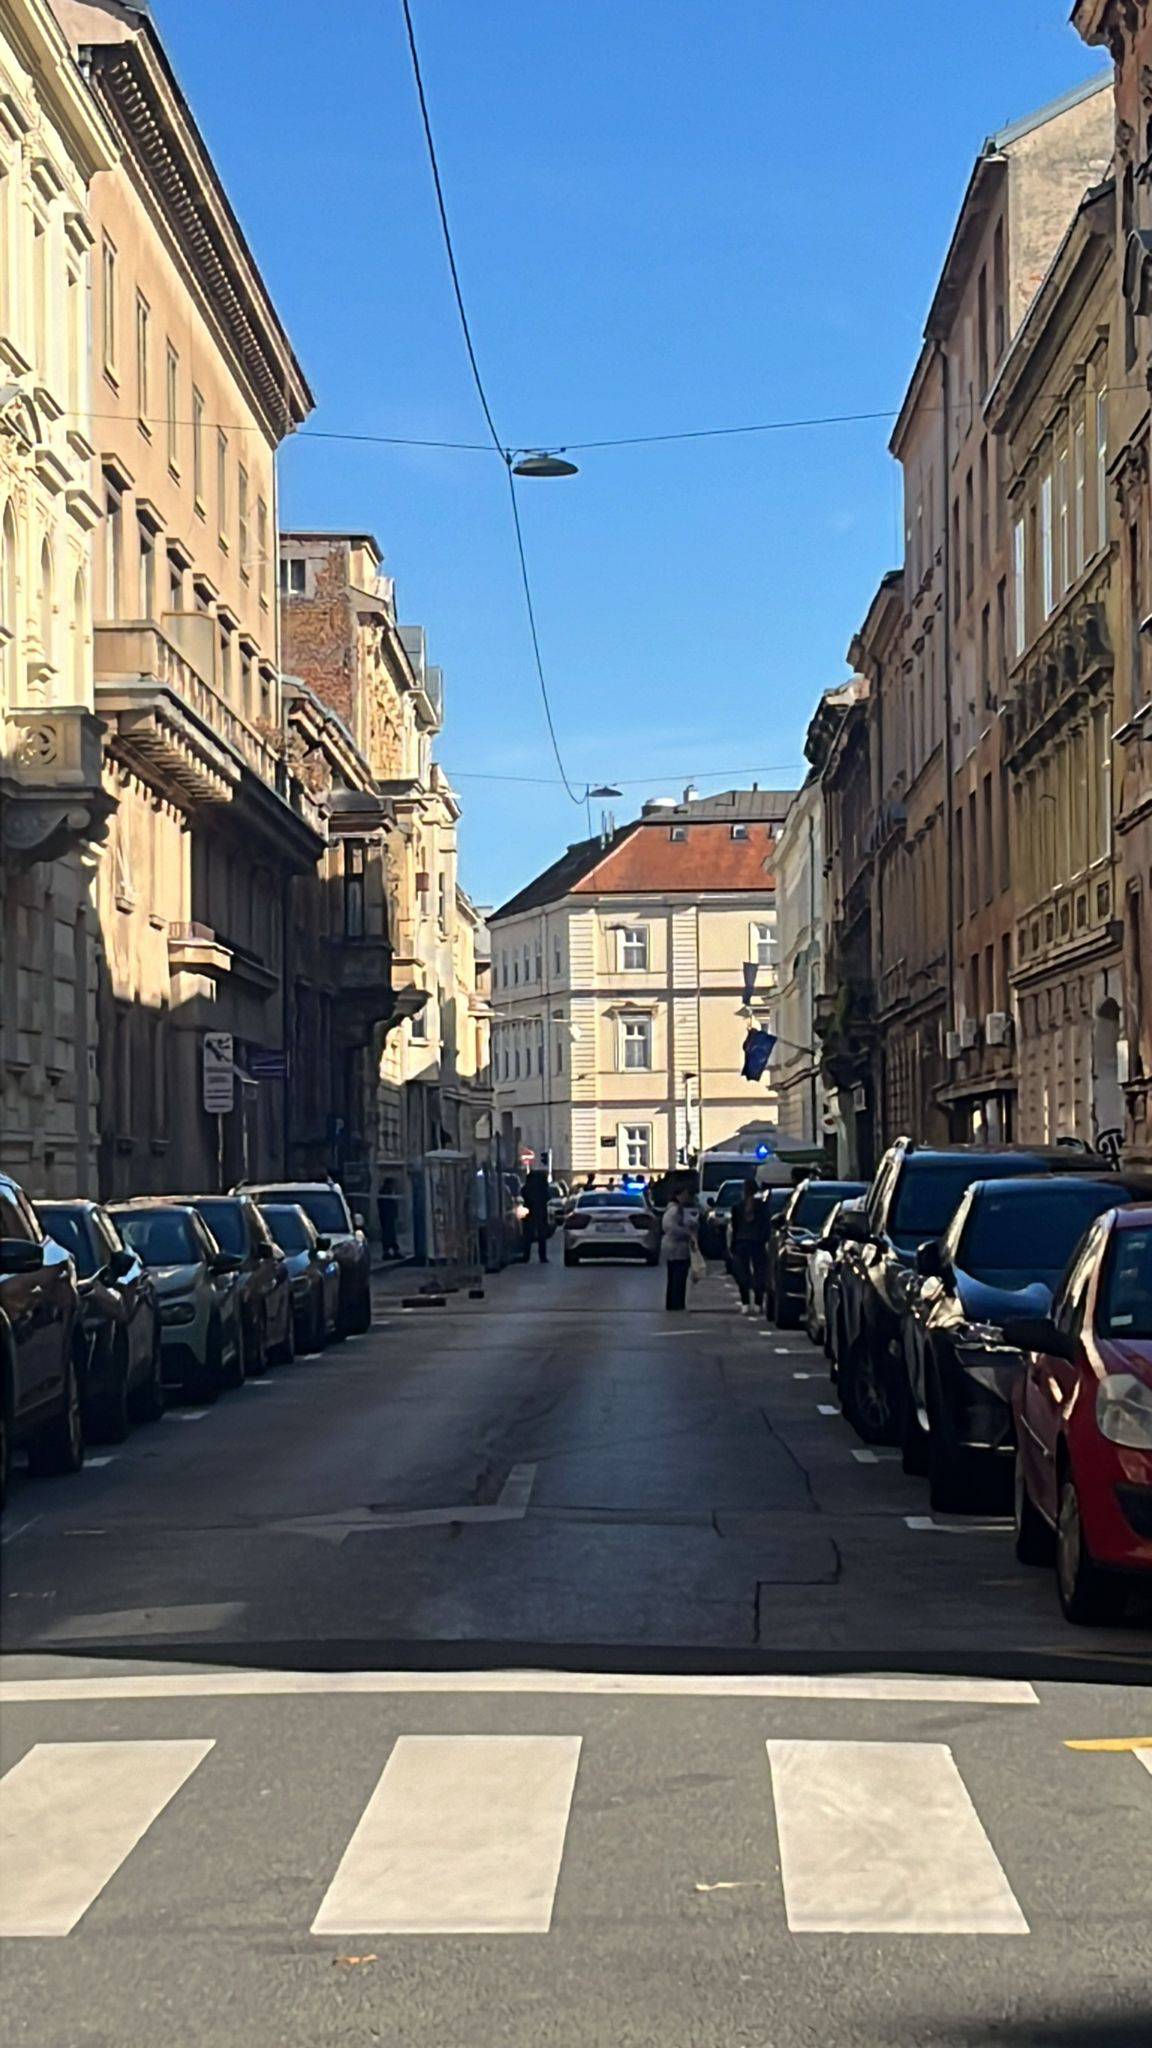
column 598, row 790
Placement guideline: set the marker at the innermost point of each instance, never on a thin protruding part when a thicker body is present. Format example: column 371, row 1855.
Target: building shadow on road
column 1130, row 2028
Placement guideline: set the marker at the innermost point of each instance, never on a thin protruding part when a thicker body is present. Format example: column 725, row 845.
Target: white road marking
column 826, row 1408
column 1144, row 1756
column 208, row 1685
column 865, row 1457
column 70, row 1812
column 21, row 1529
column 510, row 1506
column 882, row 1838
column 463, row 1835
column 806, row 1375
column 186, row 1414
column 92, row 1464
column 516, row 1491
column 970, row 1526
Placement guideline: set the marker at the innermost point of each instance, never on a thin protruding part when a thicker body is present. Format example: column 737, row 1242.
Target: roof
column 1100, row 81
column 291, row 534
column 643, row 857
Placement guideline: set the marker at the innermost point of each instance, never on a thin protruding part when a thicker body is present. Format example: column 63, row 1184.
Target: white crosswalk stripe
column 882, row 1838
column 467, row 1834
column 70, row 1812
column 464, row 1834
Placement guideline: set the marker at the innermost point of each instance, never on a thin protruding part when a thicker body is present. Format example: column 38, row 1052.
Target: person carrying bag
column 678, row 1242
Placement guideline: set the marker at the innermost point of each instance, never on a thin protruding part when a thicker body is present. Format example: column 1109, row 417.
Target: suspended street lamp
column 540, row 462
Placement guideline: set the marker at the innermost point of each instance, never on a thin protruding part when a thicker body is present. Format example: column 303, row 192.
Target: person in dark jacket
column 388, row 1209
column 534, row 1195
column 747, row 1239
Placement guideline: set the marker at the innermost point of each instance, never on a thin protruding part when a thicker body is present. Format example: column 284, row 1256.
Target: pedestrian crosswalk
column 468, row 1834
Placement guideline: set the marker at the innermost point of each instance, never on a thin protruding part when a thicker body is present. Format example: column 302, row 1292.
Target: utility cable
column 504, row 453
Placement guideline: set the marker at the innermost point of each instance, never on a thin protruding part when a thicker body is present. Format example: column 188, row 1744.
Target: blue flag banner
column 758, row 1049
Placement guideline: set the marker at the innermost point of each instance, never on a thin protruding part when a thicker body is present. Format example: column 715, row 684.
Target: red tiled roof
column 709, row 858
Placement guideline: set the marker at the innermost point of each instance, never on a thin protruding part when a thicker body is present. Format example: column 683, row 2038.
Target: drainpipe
column 949, row 839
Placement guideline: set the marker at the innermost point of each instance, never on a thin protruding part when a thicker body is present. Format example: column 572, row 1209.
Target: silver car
column 611, row 1223
column 201, row 1350
column 324, row 1205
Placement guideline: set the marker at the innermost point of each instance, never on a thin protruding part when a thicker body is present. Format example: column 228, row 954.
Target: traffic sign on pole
column 219, row 1073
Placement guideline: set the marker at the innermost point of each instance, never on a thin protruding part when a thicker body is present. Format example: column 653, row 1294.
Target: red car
column 1084, row 1421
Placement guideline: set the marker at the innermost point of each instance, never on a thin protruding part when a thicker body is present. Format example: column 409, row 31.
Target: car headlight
column 177, row 1312
column 1124, row 1410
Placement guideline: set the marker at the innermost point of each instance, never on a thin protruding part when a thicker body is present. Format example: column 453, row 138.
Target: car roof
column 1065, row 1158
column 246, row 1196
column 138, row 1202
column 78, row 1202
column 1022, row 1184
column 270, row 1187
column 1137, row 1216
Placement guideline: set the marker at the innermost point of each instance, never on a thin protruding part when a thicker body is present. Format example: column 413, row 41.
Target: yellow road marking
column 1114, row 1742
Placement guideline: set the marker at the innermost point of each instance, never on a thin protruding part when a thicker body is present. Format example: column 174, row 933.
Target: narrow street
column 628, row 1551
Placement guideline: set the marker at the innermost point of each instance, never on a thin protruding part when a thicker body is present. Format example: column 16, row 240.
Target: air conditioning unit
column 951, row 1045
column 997, row 1027
column 969, row 1034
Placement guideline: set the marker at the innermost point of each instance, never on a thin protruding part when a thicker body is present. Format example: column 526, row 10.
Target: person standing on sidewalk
column 387, row 1209
column 747, row 1243
column 678, row 1236
column 534, row 1195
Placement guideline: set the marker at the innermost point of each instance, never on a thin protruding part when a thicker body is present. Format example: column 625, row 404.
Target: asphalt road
column 547, row 1670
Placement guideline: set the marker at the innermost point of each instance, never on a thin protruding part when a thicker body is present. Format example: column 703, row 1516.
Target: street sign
column 268, row 1066
column 527, row 1156
column 219, row 1073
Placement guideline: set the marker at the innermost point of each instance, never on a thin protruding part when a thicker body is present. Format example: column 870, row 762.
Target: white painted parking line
column 516, row 1491
column 1144, row 1756
column 825, row 1408
column 865, row 1457
column 882, row 1838
column 70, row 1812
column 21, row 1529
column 93, row 1464
column 251, row 1684
column 970, row 1526
column 806, row 1375
column 464, row 1834
column 186, row 1414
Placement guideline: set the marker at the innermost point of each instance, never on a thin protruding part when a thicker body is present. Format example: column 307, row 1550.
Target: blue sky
column 668, row 214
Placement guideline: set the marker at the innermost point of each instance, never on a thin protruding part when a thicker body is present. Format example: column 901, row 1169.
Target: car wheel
column 785, row 1314
column 957, row 1477
column 107, row 1416
column 148, row 1400
column 360, row 1320
column 866, row 1397
column 1035, row 1541
column 1088, row 1595
column 285, row 1351
column 571, row 1258
column 254, row 1349
column 207, row 1383
column 913, row 1440
column 58, row 1446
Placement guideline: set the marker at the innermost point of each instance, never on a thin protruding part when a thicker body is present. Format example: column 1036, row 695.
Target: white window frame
column 634, row 1147
column 1079, row 476
column 634, row 939
column 635, row 1032
column 1047, row 548
column 761, row 943
column 1019, row 588
column 1063, row 525
column 1101, row 469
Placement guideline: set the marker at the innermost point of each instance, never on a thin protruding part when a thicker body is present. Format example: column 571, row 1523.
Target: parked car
column 313, row 1274
column 39, row 1315
column 1083, row 1408
column 611, row 1223
column 202, row 1350
column 557, row 1203
column 323, row 1203
column 1003, row 1254
column 792, row 1238
column 915, row 1194
column 823, row 1280
column 267, row 1326
column 715, row 1219
column 122, row 1376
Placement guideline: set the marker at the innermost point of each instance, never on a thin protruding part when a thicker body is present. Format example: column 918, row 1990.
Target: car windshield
column 1010, row 1232
column 1125, row 1308
column 931, row 1189
column 163, row 1237
column 323, row 1207
column 817, row 1201
column 730, row 1194
column 226, row 1222
column 289, row 1228
column 612, row 1198
column 68, row 1228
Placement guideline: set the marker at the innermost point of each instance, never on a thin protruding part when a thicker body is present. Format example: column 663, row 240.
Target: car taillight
column 577, row 1223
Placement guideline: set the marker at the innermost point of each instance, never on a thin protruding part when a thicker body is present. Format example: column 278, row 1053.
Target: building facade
column 196, row 384
column 1050, row 406
column 53, row 804
column 1125, row 27
column 799, row 871
column 619, row 992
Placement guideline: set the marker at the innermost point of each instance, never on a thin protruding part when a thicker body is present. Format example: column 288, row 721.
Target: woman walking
column 678, row 1238
column 748, row 1237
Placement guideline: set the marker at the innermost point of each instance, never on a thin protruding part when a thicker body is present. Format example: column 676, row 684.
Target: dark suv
column 263, row 1288
column 793, row 1236
column 39, row 1376
column 324, row 1205
column 915, row 1194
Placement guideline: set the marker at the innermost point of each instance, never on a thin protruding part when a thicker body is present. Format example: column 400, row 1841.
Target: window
column 558, row 1051
column 1101, row 469
column 539, row 961
column 540, row 1047
column 354, row 888
column 198, row 451
column 557, row 956
column 1047, row 555
column 516, row 970
column 143, row 319
column 293, row 575
column 987, row 860
column 40, row 294
column 113, row 550
column 171, row 404
column 1019, row 590
column 222, row 486
column 1063, row 526
column 108, row 305
column 956, row 578
column 635, row 1145
column 636, row 1043
column 442, row 900
column 739, row 832
column 224, row 678
column 247, row 668
column 982, row 335
column 986, row 655
column 147, row 571
column 677, row 834
column 985, row 502
column 999, row 294
column 969, row 535
column 175, row 585
column 634, row 948
column 1078, row 535
column 243, row 533
column 760, row 945
column 262, row 549
column 419, row 1025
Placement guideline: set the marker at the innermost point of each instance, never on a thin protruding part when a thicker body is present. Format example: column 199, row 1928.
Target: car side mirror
column 930, row 1260
column 20, row 1255
column 1038, row 1333
column 224, row 1262
column 323, row 1244
column 119, row 1266
column 358, row 1220
column 855, row 1229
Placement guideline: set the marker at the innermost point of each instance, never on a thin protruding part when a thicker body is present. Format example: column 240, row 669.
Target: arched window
column 80, row 639
column 47, row 620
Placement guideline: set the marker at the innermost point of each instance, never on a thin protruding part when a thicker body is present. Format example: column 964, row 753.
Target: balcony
column 365, row 999
column 170, row 724
column 51, row 786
